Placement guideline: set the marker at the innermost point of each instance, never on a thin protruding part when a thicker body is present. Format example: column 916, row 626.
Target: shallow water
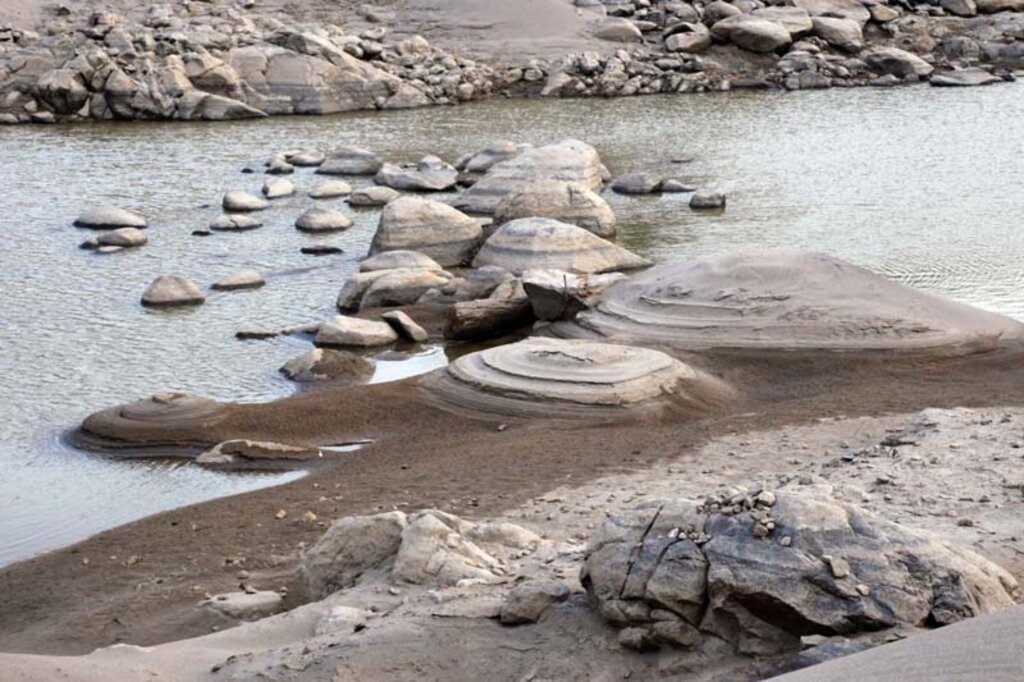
column 924, row 185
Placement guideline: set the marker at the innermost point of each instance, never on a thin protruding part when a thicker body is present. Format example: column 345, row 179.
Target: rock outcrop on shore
column 554, row 378
column 761, row 569
column 785, row 300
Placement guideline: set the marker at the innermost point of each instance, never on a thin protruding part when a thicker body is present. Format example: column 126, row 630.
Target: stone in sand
column 568, row 202
column 154, row 420
column 235, row 223
column 233, row 451
column 246, row 279
column 528, row 601
column 410, row 223
column 682, row 570
column 323, row 364
column 430, row 174
column 372, row 196
column 245, row 605
column 330, row 189
column 351, row 546
column 275, row 188
column 172, row 290
column 390, row 260
column 405, row 326
column 124, row 237
column 350, row 161
column 788, row 300
column 322, row 220
column 554, row 378
column 567, row 161
column 239, row 201
column 532, row 243
column 109, row 218
column 355, row 332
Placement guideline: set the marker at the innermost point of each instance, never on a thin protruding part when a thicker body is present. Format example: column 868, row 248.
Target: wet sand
column 141, row 583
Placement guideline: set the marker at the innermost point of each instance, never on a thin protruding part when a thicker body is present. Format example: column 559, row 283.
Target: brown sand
column 141, row 582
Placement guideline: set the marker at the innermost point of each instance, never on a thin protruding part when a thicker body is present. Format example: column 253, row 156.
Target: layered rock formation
column 786, row 300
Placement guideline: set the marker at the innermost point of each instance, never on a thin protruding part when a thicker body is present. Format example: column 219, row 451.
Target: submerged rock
column 555, row 378
column 239, row 201
column 157, row 420
column 322, row 220
column 567, row 202
column 707, row 199
column 235, row 223
column 788, row 300
column 532, row 243
column 323, row 364
column 172, row 290
column 108, row 218
column 430, row 227
column 760, row 571
column 246, row 279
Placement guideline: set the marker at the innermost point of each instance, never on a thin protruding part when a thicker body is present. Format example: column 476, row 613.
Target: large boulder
column 752, row 33
column 330, row 189
column 109, row 218
column 476, row 164
column 351, row 546
column 276, row 188
column 555, row 378
column 791, row 301
column 568, row 202
column 349, row 160
column 429, row 174
column 343, row 331
column 531, row 243
column 896, row 62
column 441, row 232
column 993, row 6
column 760, row 569
column 688, row 37
column 566, row 161
column 63, row 91
column 172, row 290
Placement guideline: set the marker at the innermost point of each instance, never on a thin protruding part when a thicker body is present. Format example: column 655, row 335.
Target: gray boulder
column 123, row 237
column 845, row 9
column 618, row 30
column 172, row 290
column 560, row 295
column 276, row 187
column 568, row 202
column 323, row 364
column 430, row 174
column 239, row 202
column 796, row 20
column 542, row 243
column 400, row 287
column 528, row 601
column 235, row 223
column 688, row 37
column 961, row 8
column 636, row 183
column 246, row 279
column 842, row 33
column 760, row 569
column 350, row 161
column 430, row 227
column 330, row 189
column 354, row 331
column 372, row 196
column 351, row 546
column 752, row 33
column 109, row 218
column 704, row 199
column 318, row 220
column 896, row 62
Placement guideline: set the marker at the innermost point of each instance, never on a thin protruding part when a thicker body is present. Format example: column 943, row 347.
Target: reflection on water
column 920, row 184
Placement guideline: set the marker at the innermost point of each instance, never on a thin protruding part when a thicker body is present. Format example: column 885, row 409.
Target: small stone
column 863, row 590
column 281, row 514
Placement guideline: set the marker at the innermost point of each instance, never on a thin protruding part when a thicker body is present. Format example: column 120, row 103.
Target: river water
column 922, row 184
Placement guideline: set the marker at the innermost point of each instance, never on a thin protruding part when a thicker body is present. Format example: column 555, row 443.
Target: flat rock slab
column 243, row 605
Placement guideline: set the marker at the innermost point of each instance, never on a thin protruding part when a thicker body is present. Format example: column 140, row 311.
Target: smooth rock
column 241, row 449
column 354, row 331
column 430, row 174
column 330, row 189
column 350, row 161
column 391, row 260
column 323, row 364
column 275, row 188
column 351, row 546
column 318, row 220
column 842, row 33
column 567, row 202
column 405, row 326
column 246, row 279
column 896, row 62
column 532, row 243
column 372, row 196
column 636, row 183
column 441, row 232
column 969, row 77
column 528, row 601
column 124, row 237
column 172, row 290
column 235, row 223
column 707, row 199
column 239, row 201
column 109, row 218
column 752, row 33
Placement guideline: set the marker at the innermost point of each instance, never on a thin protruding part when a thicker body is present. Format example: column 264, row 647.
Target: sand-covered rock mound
column 541, row 377
column 761, row 569
column 163, row 419
column 787, row 300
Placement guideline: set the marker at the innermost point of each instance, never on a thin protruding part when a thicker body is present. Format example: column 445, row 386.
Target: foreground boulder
column 430, row 174
column 568, row 202
column 443, row 233
column 567, row 161
column 532, row 243
column 172, row 290
column 328, row 364
column 355, row 332
column 788, row 300
column 400, row 287
column 761, row 569
column 555, row 378
column 428, row 548
column 109, row 218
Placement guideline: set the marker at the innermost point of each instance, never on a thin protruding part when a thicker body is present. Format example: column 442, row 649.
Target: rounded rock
column 172, row 290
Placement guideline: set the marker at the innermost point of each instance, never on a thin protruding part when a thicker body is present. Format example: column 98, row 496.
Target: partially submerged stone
column 355, row 332
column 704, row 199
column 532, row 243
column 235, row 223
column 896, row 62
column 430, row 174
column 276, row 188
column 172, row 290
column 372, row 196
column 330, row 189
column 788, row 300
column 328, row 364
column 246, row 279
column 123, row 237
column 109, row 218
column 441, row 232
column 350, row 161
column 318, row 220
column 239, row 201
column 567, row 202
column 154, row 421
column 555, row 378
column 969, row 77
column 390, row 260
column 636, row 183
